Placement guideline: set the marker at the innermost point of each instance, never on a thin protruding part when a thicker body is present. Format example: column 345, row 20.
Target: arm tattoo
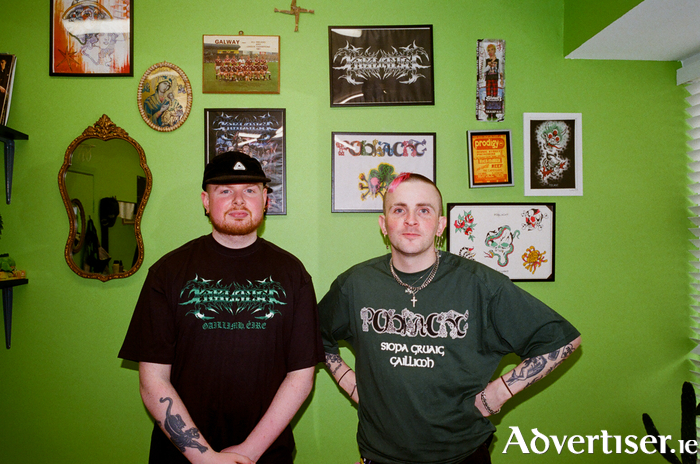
column 531, row 368
column 174, row 425
column 333, row 361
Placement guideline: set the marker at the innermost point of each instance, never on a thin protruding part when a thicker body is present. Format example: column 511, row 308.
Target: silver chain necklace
column 411, row 289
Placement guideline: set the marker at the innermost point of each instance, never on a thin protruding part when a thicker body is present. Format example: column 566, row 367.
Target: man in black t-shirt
column 225, row 332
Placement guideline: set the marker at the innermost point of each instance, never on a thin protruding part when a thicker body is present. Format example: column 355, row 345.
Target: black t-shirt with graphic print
column 232, row 323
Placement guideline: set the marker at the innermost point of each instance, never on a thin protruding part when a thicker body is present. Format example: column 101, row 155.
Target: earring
column 439, row 241
column 386, row 241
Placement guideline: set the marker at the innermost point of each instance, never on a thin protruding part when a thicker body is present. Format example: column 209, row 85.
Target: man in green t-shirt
column 428, row 330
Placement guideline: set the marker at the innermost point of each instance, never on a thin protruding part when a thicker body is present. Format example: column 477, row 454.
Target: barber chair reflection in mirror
column 105, row 183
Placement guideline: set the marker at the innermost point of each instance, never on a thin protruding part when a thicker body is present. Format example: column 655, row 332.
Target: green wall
column 621, row 248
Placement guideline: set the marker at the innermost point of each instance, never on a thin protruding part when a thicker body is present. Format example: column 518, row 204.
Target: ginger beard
column 232, row 226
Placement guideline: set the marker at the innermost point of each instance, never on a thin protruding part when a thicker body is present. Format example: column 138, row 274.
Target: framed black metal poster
column 515, row 239
column 381, row 65
column 256, row 132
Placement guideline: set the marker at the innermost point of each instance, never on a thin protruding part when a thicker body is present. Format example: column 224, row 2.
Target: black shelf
column 7, row 286
column 8, row 137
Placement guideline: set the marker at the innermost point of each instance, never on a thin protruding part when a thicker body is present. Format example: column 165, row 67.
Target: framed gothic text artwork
column 365, row 163
column 381, row 65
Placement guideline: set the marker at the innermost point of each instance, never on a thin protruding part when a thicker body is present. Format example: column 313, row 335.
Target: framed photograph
column 553, row 154
column 490, row 159
column 260, row 134
column 241, row 64
column 516, row 239
column 365, row 163
column 89, row 38
column 164, row 97
column 381, row 65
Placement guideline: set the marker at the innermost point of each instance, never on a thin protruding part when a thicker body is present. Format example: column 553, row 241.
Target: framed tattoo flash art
column 553, row 154
column 89, row 38
column 258, row 133
column 365, row 163
column 241, row 64
column 516, row 239
column 490, row 159
column 164, row 97
column 390, row 65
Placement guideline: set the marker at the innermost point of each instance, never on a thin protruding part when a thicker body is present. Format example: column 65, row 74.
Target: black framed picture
column 91, row 38
column 258, row 132
column 381, row 65
column 365, row 163
column 515, row 239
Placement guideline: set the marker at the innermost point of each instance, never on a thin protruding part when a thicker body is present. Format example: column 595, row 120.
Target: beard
column 236, row 226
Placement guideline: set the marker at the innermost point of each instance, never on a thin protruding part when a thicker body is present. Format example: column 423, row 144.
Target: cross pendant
column 413, row 300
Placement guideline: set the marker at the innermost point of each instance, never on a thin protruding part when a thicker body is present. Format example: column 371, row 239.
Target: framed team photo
column 552, row 145
column 381, row 65
column 515, row 239
column 365, row 163
column 89, row 38
column 490, row 159
column 241, row 64
column 258, row 132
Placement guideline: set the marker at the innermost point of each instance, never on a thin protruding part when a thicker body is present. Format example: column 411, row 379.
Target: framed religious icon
column 89, row 38
column 515, row 239
column 553, row 154
column 164, row 97
column 490, row 159
column 381, row 65
column 258, row 133
column 241, row 64
column 365, row 163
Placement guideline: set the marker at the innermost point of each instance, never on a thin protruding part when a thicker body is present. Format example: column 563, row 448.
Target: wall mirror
column 105, row 183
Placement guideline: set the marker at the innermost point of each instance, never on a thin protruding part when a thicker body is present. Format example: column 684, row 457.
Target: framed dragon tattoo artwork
column 241, row 64
column 552, row 148
column 164, row 97
column 515, row 239
column 90, row 38
column 258, row 133
column 381, row 65
column 365, row 163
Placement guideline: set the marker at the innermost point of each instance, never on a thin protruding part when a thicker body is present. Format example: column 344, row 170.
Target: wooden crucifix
column 294, row 10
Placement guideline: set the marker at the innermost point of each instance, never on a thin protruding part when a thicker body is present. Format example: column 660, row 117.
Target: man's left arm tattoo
column 535, row 368
column 175, row 426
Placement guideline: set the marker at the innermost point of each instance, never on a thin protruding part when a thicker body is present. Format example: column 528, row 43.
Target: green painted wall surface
column 584, row 19
column 621, row 248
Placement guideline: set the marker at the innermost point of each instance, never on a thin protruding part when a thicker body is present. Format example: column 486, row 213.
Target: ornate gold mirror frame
column 104, row 129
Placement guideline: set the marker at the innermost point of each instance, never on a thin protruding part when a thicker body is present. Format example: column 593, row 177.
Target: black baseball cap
column 233, row 167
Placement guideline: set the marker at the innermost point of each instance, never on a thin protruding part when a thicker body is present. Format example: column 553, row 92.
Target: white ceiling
column 654, row 30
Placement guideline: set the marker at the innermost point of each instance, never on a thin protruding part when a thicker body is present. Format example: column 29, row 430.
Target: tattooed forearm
column 535, row 368
column 174, row 425
column 334, row 362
